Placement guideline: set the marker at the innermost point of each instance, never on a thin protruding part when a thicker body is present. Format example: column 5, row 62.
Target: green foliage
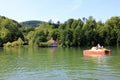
column 9, row 30
column 78, row 33
column 70, row 33
column 38, row 35
column 44, row 44
column 8, row 44
column 55, row 34
column 19, row 42
column 89, row 31
column 26, row 29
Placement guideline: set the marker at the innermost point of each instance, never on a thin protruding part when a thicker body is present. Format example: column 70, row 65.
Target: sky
column 59, row 10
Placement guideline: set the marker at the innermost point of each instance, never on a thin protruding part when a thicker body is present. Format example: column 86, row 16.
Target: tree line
column 71, row 33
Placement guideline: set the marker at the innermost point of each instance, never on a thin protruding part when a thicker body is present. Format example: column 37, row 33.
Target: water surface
column 57, row 64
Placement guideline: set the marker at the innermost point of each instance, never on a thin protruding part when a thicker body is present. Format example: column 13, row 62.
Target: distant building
column 53, row 43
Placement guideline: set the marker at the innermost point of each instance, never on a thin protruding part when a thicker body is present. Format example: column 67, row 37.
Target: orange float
column 96, row 52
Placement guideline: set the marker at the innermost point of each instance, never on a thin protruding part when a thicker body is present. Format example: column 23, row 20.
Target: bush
column 44, row 44
column 19, row 42
column 8, row 44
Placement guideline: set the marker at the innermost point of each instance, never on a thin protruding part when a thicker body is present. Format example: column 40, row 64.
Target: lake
column 57, row 64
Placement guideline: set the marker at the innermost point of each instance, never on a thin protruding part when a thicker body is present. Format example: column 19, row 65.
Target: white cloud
column 76, row 5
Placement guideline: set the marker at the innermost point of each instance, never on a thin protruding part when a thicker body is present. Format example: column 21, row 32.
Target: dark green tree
column 9, row 30
column 89, row 31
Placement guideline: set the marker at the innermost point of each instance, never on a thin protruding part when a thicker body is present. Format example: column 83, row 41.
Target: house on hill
column 53, row 43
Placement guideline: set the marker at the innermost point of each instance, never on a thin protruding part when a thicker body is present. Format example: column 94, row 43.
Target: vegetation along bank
column 72, row 33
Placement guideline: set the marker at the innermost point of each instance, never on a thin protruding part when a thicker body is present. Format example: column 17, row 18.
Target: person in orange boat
column 98, row 46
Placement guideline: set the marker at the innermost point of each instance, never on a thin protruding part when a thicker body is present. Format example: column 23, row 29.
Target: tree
column 69, row 23
column 74, row 24
column 9, row 30
column 50, row 21
column 89, row 31
column 55, row 34
column 112, row 28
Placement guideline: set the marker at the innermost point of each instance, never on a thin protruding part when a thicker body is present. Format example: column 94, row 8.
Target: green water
column 57, row 64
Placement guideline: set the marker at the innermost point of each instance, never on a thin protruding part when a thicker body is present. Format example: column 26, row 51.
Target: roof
column 51, row 41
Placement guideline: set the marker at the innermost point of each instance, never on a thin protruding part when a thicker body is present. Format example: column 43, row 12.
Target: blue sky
column 59, row 10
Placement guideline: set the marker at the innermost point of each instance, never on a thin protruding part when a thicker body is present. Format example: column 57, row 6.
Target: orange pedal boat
column 96, row 52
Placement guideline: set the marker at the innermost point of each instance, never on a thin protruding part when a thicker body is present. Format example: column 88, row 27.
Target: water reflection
column 53, row 49
column 97, row 59
column 56, row 64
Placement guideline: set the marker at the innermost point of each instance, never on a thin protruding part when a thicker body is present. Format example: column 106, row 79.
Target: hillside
column 34, row 23
column 9, row 30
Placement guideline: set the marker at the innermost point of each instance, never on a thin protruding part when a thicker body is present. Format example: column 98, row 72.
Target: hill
column 34, row 23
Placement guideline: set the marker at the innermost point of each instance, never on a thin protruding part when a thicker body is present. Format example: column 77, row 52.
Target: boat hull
column 96, row 52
